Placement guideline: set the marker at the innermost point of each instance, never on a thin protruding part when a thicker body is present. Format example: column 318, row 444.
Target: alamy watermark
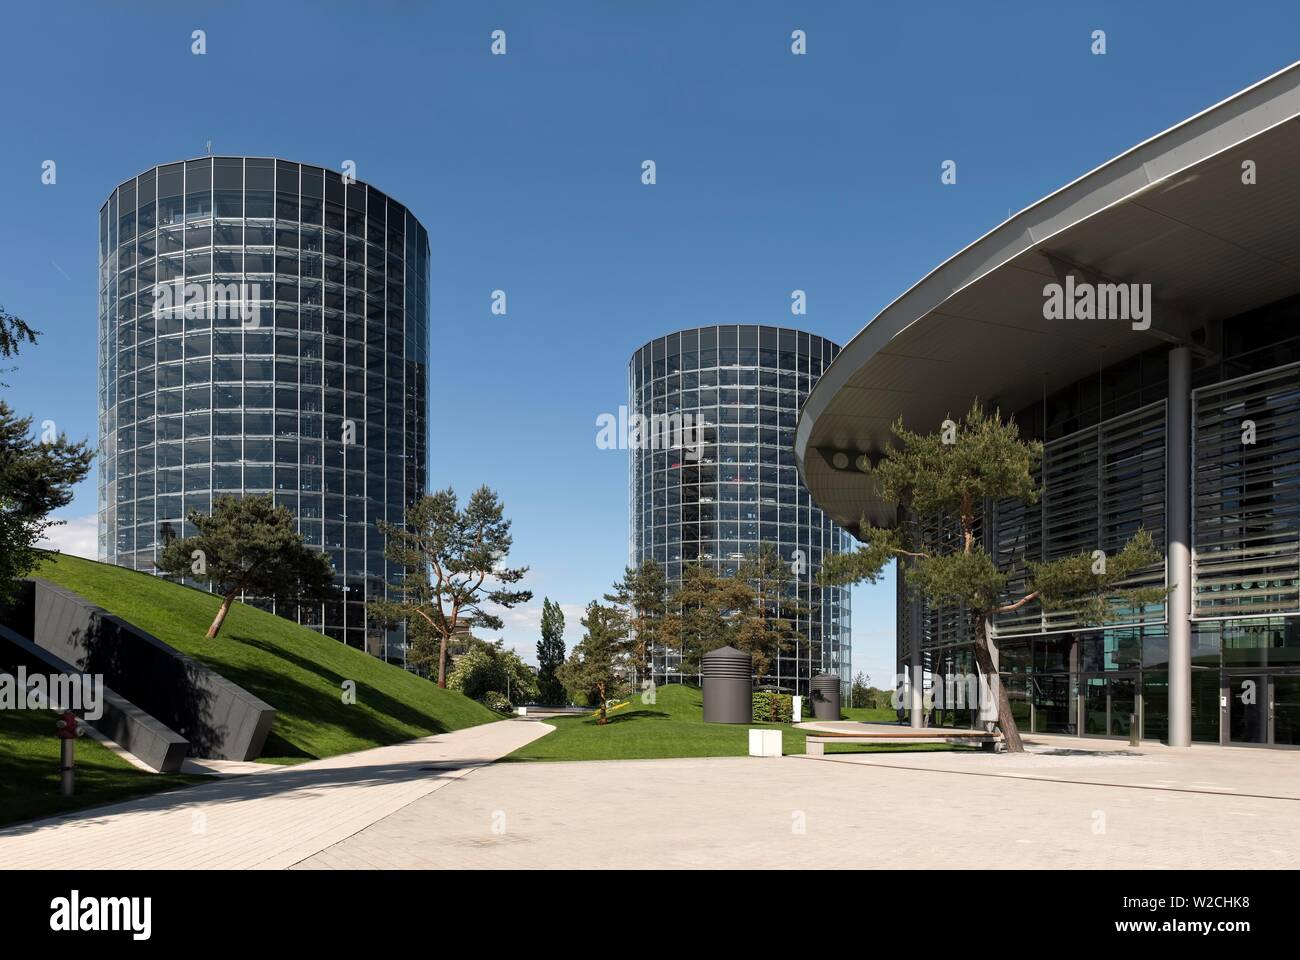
column 83, row 692
column 234, row 300
column 1098, row 301
column 659, row 431
column 949, row 691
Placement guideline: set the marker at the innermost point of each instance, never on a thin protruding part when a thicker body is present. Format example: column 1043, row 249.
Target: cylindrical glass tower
column 263, row 327
column 741, row 489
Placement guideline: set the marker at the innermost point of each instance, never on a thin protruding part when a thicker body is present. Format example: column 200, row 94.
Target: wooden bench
column 816, row 746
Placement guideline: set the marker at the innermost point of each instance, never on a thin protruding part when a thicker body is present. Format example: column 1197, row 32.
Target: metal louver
column 1098, row 487
column 1246, row 496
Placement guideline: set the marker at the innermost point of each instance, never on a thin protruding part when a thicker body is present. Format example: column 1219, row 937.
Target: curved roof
column 1172, row 211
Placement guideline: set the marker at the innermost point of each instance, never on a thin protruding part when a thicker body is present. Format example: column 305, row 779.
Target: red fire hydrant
column 69, row 729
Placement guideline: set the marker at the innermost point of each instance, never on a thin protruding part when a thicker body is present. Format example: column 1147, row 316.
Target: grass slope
column 671, row 727
column 297, row 671
column 29, row 771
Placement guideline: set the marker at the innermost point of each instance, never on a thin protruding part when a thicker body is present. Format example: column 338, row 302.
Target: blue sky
column 775, row 172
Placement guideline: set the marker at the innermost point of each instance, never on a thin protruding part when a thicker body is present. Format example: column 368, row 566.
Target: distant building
column 716, row 496
column 263, row 328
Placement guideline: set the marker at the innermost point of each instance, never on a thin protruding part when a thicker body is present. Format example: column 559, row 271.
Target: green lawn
column 870, row 714
column 672, row 727
column 29, row 770
column 297, row 671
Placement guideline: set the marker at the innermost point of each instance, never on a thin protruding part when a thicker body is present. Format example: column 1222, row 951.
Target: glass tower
column 740, row 488
column 263, row 328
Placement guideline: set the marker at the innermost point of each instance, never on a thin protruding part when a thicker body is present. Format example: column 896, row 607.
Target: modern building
column 1180, row 414
column 733, row 486
column 263, row 327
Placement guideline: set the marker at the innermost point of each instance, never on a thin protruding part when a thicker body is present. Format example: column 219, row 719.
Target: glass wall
column 745, row 384
column 263, row 329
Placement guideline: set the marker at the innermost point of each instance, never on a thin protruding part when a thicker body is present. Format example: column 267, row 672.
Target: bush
column 494, row 700
column 487, row 667
column 773, row 707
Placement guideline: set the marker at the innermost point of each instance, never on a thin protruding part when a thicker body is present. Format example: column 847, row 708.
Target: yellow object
column 609, row 710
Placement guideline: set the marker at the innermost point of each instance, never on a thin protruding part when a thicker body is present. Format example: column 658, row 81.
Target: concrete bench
column 816, row 745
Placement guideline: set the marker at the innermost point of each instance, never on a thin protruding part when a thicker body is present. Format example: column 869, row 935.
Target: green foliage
column 1074, row 583
column 14, row 332
column 249, row 545
column 496, row 701
column 986, row 459
column 864, row 696
column 773, row 707
column 598, row 664
column 765, row 626
column 708, row 609
column 642, row 595
column 985, row 462
column 971, row 579
column 550, row 654
column 454, row 563
column 36, row 477
column 487, row 667
column 949, row 476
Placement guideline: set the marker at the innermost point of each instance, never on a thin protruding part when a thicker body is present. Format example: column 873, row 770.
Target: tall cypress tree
column 550, row 654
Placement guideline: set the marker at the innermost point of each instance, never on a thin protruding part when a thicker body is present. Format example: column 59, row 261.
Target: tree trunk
column 442, row 661
column 600, row 688
column 220, row 618
column 1006, row 722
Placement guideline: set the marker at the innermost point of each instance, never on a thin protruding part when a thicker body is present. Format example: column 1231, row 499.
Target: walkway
column 1069, row 804
column 270, row 819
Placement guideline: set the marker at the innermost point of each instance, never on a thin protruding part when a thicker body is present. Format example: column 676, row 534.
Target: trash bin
column 825, row 690
column 727, row 674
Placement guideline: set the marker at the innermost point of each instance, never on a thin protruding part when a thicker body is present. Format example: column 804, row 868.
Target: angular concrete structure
column 220, row 720
column 152, row 743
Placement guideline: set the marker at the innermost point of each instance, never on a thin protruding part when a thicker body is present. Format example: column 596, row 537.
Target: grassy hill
column 29, row 770
column 671, row 727
column 297, row 671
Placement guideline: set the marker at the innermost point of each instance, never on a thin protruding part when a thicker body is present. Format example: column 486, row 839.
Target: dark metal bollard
column 1133, row 733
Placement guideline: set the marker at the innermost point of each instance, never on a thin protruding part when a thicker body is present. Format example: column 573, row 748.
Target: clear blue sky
column 775, row 172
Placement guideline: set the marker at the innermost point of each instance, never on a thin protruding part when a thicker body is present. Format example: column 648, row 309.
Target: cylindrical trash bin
column 727, row 674
column 825, row 690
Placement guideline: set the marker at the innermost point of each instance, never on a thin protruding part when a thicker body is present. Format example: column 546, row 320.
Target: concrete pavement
column 270, row 819
column 1067, row 805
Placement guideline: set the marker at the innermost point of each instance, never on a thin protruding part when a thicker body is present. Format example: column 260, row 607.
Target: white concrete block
column 765, row 743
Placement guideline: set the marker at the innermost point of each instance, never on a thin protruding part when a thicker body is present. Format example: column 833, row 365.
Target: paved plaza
column 1069, row 807
column 441, row 803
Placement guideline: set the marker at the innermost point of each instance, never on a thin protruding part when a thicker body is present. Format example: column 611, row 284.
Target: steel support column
column 1178, row 535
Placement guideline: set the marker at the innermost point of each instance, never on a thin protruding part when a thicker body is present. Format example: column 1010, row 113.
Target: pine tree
column 954, row 474
column 454, row 563
column 249, row 545
column 708, row 609
column 767, row 625
column 642, row 594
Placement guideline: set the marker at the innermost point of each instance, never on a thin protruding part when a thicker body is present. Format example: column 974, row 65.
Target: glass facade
column 263, row 328
column 742, row 387
column 1103, row 476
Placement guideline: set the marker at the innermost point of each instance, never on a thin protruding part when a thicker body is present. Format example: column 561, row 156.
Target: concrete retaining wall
column 220, row 719
column 149, row 741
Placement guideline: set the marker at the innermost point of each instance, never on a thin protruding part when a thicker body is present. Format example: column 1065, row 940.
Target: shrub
column 773, row 707
column 494, row 700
